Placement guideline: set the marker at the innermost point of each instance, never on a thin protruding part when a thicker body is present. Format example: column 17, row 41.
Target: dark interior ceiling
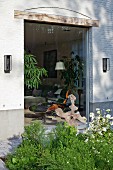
column 41, row 33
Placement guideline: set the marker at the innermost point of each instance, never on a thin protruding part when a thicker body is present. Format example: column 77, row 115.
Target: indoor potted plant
column 32, row 72
column 73, row 72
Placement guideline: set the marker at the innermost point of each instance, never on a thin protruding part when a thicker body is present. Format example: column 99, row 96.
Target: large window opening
column 62, row 51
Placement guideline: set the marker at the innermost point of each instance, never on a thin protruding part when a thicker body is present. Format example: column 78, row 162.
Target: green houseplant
column 32, row 72
column 73, row 72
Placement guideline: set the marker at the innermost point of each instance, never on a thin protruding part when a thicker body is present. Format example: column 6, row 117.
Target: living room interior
column 61, row 50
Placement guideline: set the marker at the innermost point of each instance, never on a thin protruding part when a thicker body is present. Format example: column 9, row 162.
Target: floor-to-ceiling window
column 58, row 43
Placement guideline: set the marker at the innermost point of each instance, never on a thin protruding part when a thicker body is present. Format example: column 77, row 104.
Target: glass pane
column 65, row 46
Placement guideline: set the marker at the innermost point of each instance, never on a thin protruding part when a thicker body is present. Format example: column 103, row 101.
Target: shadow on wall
column 103, row 36
column 103, row 46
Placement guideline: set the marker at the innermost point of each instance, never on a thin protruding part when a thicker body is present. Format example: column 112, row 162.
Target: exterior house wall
column 100, row 41
column 102, row 46
column 11, row 84
column 11, row 42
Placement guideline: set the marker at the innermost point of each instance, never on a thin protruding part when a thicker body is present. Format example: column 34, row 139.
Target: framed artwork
column 50, row 59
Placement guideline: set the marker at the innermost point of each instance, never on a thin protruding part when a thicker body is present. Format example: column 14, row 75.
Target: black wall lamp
column 106, row 64
column 7, row 63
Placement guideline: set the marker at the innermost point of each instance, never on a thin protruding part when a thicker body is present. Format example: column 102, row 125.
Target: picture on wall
column 50, row 59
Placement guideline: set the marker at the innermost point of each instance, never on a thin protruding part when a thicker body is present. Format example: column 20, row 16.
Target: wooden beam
column 56, row 19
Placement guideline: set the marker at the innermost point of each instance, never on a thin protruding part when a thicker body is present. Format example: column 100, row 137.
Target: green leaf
column 32, row 73
column 14, row 161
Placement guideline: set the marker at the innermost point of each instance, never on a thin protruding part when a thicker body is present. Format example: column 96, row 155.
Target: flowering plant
column 99, row 139
column 100, row 123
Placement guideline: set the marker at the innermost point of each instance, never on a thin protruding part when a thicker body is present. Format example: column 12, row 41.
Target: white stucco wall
column 101, row 43
column 11, row 84
column 12, row 35
column 11, row 43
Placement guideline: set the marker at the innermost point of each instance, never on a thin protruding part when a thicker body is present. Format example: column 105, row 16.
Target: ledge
column 55, row 19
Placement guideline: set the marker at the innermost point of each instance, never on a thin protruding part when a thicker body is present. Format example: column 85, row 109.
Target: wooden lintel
column 56, row 19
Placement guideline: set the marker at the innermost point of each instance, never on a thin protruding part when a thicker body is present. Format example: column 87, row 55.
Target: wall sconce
column 106, row 64
column 7, row 63
column 60, row 65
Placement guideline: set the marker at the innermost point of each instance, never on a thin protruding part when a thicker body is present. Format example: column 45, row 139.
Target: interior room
column 61, row 50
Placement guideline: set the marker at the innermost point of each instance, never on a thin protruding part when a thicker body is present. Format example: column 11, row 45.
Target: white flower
column 108, row 110
column 97, row 109
column 103, row 120
column 108, row 116
column 111, row 123
column 67, row 162
column 98, row 118
column 104, row 129
column 86, row 140
column 100, row 133
column 92, row 114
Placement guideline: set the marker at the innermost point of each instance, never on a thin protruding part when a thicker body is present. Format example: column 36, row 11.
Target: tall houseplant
column 72, row 74
column 32, row 72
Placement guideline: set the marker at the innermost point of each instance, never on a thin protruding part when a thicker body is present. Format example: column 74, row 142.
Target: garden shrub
column 100, row 140
column 27, row 154
column 35, row 133
column 64, row 148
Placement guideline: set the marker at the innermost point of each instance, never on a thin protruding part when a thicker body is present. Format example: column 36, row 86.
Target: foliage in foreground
column 64, row 149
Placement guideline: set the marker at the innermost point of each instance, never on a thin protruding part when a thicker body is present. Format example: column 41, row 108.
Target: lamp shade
column 60, row 66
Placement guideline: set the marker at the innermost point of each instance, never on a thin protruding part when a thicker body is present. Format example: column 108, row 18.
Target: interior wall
column 40, row 38
column 63, row 49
